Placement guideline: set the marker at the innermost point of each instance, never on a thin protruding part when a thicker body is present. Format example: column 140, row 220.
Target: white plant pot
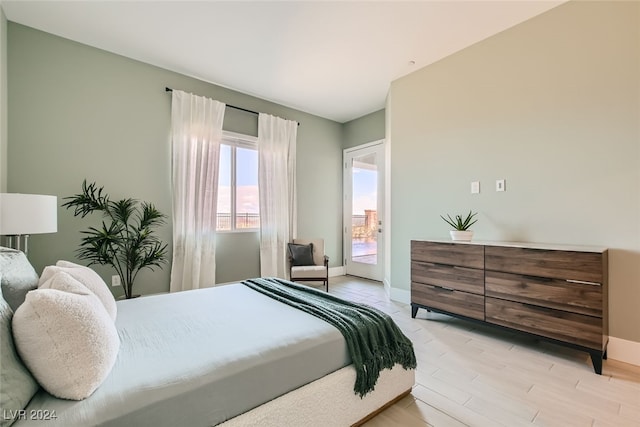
column 461, row 236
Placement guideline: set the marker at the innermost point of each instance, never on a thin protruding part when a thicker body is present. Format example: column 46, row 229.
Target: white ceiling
column 334, row 59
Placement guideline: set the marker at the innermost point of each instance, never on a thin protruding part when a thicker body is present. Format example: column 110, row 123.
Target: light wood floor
column 472, row 375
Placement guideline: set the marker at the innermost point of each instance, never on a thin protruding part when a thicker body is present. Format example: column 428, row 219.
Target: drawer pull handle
column 584, row 282
column 542, row 309
column 444, row 288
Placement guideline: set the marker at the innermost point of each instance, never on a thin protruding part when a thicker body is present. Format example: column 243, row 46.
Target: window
column 238, row 203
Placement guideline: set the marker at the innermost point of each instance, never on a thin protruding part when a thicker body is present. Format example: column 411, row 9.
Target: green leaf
column 459, row 223
column 126, row 239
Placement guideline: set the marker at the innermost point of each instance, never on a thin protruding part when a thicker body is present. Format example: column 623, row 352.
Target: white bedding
column 201, row 357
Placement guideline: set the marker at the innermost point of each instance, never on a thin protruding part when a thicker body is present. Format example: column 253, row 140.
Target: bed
column 226, row 356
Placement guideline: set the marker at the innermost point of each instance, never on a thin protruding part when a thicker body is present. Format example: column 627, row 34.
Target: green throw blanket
column 374, row 341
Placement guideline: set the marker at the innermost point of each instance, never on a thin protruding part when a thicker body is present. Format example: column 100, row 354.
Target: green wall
column 3, row 102
column 365, row 129
column 552, row 106
column 78, row 112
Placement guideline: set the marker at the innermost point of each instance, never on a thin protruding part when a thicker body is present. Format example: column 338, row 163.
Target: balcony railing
column 361, row 224
column 364, row 226
column 244, row 221
column 358, row 220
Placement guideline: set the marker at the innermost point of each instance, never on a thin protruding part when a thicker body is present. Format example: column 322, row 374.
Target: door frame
column 382, row 207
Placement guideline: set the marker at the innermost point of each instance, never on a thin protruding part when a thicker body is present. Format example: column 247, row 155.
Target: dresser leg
column 596, row 359
column 414, row 311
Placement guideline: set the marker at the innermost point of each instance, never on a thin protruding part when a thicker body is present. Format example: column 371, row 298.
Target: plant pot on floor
column 123, row 297
column 461, row 236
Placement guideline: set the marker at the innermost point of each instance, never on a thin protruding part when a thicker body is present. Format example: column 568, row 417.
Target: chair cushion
column 18, row 385
column 301, row 254
column 309, row 272
column 85, row 276
column 66, row 338
column 18, row 276
column 318, row 248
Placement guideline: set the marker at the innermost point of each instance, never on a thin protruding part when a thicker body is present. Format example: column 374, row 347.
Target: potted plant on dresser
column 126, row 239
column 461, row 226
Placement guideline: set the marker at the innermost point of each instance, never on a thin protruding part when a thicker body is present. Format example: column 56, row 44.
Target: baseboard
column 400, row 295
column 624, row 351
column 387, row 287
column 336, row 271
column 618, row 348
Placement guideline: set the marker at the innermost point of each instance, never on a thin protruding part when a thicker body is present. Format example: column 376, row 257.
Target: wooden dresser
column 558, row 293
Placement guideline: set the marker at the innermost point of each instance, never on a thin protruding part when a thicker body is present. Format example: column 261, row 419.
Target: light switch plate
column 500, row 185
column 475, row 187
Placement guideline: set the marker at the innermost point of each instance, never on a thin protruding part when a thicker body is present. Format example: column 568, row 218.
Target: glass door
column 363, row 211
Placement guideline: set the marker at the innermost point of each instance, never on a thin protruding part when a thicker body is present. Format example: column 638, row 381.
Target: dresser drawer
column 456, row 302
column 573, row 328
column 448, row 276
column 552, row 293
column 463, row 255
column 571, row 265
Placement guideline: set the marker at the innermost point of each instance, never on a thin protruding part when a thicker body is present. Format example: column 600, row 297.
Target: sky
column 364, row 190
column 246, row 180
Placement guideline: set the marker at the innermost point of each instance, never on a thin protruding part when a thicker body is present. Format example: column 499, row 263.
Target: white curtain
column 196, row 130
column 277, row 182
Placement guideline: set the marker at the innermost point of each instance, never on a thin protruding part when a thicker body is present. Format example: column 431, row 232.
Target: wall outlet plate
column 500, row 185
column 115, row 280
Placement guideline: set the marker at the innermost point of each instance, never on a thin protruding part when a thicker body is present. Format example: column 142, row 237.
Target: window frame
column 235, row 140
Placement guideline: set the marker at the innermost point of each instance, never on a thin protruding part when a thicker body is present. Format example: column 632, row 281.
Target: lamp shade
column 22, row 214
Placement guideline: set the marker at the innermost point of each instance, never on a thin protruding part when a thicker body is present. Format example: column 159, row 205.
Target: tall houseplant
column 126, row 239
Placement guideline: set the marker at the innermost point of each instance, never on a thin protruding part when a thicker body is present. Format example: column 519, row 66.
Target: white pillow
column 85, row 276
column 66, row 338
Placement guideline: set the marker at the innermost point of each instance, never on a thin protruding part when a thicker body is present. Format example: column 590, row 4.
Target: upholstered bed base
column 329, row 401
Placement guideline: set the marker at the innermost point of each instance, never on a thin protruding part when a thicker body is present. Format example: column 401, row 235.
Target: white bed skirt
column 328, row 401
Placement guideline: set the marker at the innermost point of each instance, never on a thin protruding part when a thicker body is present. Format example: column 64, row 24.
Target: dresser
column 553, row 292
